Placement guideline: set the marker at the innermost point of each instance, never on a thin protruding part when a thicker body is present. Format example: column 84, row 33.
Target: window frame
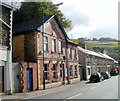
column 46, row 72
column 53, row 45
column 55, row 75
column 45, row 43
column 60, row 46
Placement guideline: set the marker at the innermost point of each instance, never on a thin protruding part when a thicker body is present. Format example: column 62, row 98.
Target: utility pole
column 43, row 32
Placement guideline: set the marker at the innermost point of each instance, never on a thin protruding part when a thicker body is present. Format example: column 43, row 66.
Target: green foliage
column 112, row 47
column 33, row 10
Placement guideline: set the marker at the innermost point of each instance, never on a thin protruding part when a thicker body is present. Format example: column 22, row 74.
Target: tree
column 94, row 39
column 33, row 10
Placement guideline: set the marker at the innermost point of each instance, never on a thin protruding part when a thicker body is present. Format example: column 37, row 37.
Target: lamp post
column 43, row 18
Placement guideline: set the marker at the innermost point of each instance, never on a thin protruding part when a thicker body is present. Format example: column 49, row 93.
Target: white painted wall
column 87, row 75
column 3, row 53
column 16, row 77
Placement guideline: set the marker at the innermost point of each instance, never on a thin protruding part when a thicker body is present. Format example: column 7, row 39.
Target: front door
column 29, row 79
column 1, row 79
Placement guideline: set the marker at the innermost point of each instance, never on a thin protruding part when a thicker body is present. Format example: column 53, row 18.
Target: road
column 107, row 89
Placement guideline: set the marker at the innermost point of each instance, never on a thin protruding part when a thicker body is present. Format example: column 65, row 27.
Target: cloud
column 91, row 16
column 108, row 31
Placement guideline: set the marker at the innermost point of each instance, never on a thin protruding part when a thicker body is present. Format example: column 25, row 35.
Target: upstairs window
column 53, row 45
column 75, row 54
column 71, row 53
column 45, row 43
column 60, row 46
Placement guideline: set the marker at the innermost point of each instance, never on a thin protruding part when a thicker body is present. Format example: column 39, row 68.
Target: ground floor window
column 71, row 74
column 76, row 71
column 46, row 71
column 54, row 71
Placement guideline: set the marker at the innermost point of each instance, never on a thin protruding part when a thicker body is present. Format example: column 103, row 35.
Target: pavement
column 36, row 93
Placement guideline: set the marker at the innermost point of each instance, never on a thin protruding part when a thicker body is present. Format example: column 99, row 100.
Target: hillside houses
column 92, row 62
column 31, row 59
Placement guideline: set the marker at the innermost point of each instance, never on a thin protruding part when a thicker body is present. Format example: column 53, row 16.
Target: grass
column 102, row 44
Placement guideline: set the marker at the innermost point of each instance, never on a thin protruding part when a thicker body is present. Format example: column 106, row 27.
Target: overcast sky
column 91, row 18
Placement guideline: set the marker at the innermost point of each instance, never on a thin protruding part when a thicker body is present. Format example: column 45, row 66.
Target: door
column 29, row 79
column 1, row 79
column 62, row 73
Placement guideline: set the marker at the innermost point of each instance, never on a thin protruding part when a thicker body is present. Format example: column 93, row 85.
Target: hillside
column 111, row 47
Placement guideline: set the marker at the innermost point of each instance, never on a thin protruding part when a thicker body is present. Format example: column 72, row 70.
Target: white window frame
column 71, row 71
column 76, row 71
column 55, row 72
column 53, row 45
column 45, row 43
column 46, row 72
column 60, row 46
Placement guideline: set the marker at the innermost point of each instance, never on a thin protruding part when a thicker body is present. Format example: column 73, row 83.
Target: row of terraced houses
column 46, row 58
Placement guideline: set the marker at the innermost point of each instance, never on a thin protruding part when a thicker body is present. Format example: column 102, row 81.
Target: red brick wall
column 26, row 65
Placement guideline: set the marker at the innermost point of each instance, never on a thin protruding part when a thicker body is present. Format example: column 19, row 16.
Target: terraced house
column 92, row 62
column 49, row 55
column 6, row 13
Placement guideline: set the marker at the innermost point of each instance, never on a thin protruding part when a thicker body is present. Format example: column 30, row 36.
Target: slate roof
column 96, row 54
column 33, row 25
column 90, row 52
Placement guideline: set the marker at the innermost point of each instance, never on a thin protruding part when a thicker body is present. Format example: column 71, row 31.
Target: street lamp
column 51, row 7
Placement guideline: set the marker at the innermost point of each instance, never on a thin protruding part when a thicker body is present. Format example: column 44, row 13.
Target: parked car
column 105, row 75
column 96, row 77
column 118, row 69
column 114, row 72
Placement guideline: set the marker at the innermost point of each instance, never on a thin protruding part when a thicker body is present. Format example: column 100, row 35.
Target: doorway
column 29, row 79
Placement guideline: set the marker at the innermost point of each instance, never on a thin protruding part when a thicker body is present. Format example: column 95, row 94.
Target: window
column 53, row 45
column 54, row 71
column 75, row 71
column 45, row 44
column 71, row 71
column 46, row 71
column 60, row 46
column 71, row 53
column 75, row 54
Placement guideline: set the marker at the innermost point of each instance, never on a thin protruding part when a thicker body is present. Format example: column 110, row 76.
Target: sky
column 91, row 18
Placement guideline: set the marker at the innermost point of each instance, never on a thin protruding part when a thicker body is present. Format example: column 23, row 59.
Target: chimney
column 84, row 46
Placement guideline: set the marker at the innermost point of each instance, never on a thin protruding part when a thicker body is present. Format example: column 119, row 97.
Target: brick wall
column 18, row 48
column 26, row 65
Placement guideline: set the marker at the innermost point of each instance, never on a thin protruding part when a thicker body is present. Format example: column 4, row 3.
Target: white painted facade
column 6, row 55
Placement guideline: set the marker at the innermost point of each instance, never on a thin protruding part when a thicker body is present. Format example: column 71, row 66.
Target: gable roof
column 33, row 25
column 89, row 52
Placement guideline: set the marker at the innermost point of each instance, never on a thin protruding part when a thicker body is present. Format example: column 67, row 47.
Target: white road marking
column 74, row 96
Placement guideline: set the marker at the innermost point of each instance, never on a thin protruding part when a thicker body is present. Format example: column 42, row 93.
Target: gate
column 29, row 79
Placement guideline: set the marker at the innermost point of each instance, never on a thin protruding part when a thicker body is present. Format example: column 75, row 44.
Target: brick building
column 28, row 41
column 92, row 62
